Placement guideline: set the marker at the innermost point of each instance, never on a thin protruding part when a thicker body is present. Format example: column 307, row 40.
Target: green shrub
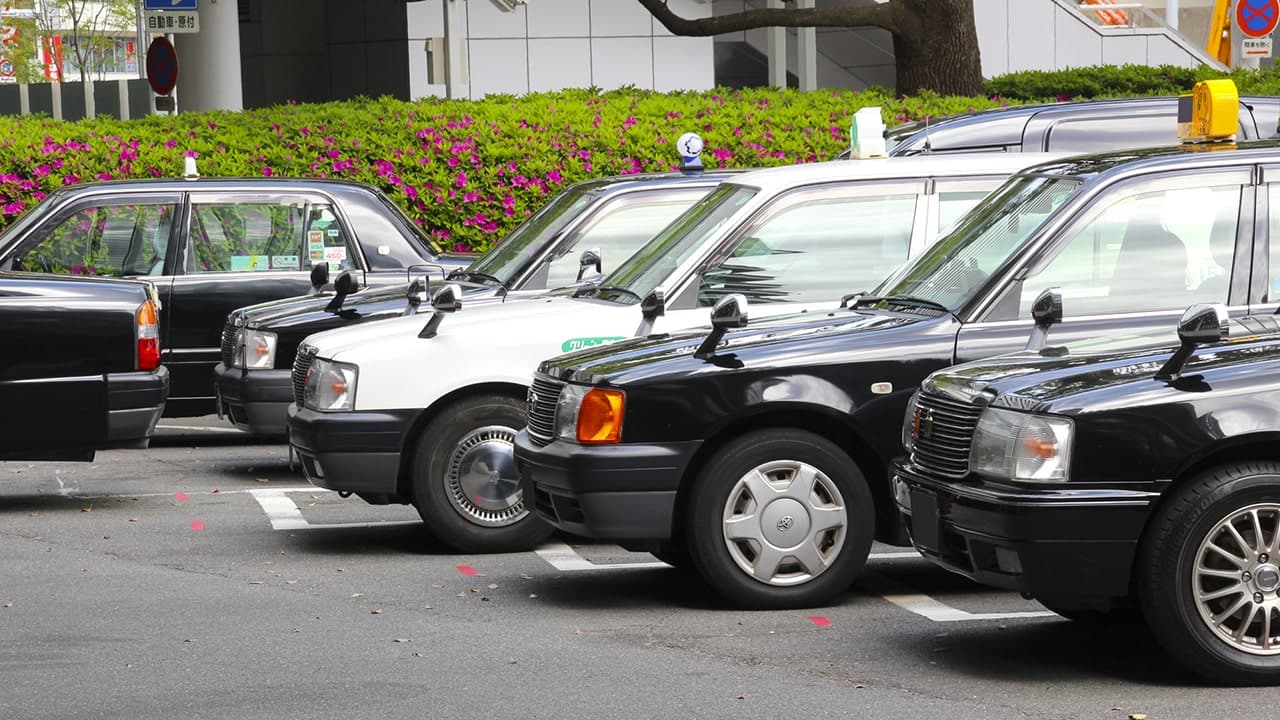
column 469, row 171
column 1123, row 81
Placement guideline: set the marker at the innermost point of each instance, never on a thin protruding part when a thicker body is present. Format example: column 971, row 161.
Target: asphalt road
column 202, row 579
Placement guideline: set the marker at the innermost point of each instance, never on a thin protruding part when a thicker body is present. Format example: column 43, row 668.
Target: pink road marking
column 180, row 496
column 468, row 570
column 819, row 621
column 197, row 525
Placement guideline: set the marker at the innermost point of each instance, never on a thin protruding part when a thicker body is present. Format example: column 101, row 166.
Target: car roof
column 1004, row 125
column 780, row 178
column 621, row 183
column 1145, row 160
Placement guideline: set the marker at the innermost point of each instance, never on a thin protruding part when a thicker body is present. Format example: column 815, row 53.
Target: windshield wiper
column 597, row 289
column 477, row 275
column 865, row 300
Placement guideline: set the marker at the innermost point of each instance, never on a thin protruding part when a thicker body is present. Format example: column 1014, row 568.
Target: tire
column 464, row 502
column 1178, row 564
column 749, row 570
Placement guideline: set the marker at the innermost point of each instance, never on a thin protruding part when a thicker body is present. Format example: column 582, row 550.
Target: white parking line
column 566, row 559
column 285, row 514
column 200, row 428
column 927, row 607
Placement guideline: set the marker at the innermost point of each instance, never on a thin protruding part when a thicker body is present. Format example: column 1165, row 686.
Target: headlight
column 255, row 349
column 589, row 415
column 330, row 386
column 909, row 428
column 1010, row 445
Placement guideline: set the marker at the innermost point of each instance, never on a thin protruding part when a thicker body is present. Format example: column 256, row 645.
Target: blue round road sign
column 162, row 66
column 1257, row 18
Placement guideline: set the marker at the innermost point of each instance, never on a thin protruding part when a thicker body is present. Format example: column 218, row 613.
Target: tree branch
column 874, row 15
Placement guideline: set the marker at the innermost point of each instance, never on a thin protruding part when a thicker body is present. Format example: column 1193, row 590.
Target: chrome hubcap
column 482, row 480
column 784, row 523
column 1237, row 579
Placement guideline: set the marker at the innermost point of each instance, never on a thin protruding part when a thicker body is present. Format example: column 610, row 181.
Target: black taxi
column 761, row 455
column 1113, row 478
column 584, row 231
column 211, row 245
column 82, row 368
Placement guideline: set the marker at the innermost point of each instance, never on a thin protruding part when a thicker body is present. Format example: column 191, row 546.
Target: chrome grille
column 943, row 435
column 301, row 366
column 544, row 394
column 229, row 339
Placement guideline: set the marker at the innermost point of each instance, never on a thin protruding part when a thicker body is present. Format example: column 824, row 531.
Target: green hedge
column 467, row 170
column 1122, row 81
column 470, row 171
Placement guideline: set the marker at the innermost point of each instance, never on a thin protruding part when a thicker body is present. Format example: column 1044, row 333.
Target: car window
column 257, row 237
column 1273, row 288
column 110, row 240
column 953, row 205
column 1113, row 133
column 1157, row 250
column 814, row 246
column 619, row 231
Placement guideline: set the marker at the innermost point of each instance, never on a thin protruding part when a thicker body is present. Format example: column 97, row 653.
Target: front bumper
column 256, row 401
column 1040, row 541
column 352, row 452
column 134, row 403
column 616, row 492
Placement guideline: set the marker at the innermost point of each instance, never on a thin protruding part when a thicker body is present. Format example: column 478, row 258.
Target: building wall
column 555, row 44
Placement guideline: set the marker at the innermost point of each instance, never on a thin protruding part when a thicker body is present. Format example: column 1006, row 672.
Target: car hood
column 294, row 311
column 816, row 337
column 485, row 327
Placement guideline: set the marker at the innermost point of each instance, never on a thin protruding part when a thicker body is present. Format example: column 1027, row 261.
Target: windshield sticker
column 285, row 262
column 315, row 244
column 248, row 262
column 335, row 254
column 585, row 342
column 333, row 232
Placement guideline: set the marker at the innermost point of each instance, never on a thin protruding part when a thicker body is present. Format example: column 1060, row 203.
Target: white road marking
column 565, row 559
column 927, row 607
column 201, row 428
column 285, row 514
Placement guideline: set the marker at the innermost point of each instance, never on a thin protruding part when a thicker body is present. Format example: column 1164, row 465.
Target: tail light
column 148, row 337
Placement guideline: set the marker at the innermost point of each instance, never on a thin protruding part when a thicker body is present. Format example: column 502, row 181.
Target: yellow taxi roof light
column 1210, row 114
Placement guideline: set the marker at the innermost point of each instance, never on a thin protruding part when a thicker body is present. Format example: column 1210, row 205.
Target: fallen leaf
column 577, row 631
column 87, row 509
column 197, row 525
column 417, row 654
column 297, row 630
column 264, row 480
column 819, row 621
column 859, row 686
column 106, row 537
column 35, row 514
column 436, row 585
column 426, row 607
column 401, row 640
column 1138, row 716
column 533, row 595
column 493, row 586
column 740, row 697
column 8, row 604
column 215, row 491
column 290, row 582
column 257, row 582
column 357, row 594
column 133, row 519
column 375, row 612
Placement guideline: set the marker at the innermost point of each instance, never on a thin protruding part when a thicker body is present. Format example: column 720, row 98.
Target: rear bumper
column 256, row 401
column 352, row 452
column 134, row 403
column 1046, row 542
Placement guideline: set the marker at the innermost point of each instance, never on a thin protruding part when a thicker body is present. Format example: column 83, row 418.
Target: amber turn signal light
column 148, row 337
column 600, row 418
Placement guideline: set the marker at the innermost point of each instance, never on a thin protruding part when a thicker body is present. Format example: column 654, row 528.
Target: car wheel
column 1209, row 574
column 780, row 519
column 465, row 483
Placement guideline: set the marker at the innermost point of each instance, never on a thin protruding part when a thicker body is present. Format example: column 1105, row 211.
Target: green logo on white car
column 585, row 342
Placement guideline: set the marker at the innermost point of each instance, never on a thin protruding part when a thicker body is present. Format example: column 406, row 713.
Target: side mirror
column 319, row 277
column 729, row 313
column 1047, row 312
column 447, row 300
column 416, row 294
column 343, row 286
column 590, row 258
column 1201, row 324
column 652, row 307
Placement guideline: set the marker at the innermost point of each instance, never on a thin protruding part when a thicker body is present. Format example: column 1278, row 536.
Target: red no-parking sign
column 1257, row 18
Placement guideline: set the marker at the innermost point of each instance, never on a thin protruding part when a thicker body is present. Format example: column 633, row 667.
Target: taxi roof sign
column 866, row 134
column 1210, row 114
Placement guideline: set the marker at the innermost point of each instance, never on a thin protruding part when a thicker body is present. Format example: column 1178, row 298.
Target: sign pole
column 142, row 41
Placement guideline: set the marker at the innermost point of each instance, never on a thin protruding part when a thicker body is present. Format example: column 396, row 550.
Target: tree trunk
column 935, row 47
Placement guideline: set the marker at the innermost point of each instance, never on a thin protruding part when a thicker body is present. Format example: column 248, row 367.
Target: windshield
column 19, row 227
column 518, row 249
column 653, row 263
column 951, row 272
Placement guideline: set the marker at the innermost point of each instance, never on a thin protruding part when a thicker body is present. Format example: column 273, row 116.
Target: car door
column 238, row 249
column 129, row 235
column 810, row 246
column 1130, row 263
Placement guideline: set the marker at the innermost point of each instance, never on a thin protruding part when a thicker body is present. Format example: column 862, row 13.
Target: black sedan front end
column 1032, row 531
column 620, row 492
